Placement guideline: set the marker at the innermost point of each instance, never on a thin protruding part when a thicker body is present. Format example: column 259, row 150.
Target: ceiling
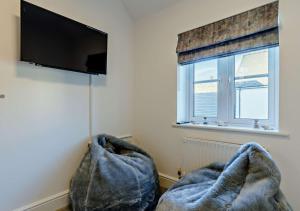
column 141, row 8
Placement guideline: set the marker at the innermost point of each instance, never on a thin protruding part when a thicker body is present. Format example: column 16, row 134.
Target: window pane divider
column 206, row 81
column 251, row 76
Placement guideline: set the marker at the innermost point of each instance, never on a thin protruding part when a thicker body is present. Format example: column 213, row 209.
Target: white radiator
column 197, row 153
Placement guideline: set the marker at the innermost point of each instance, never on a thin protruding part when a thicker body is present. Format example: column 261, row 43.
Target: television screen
column 51, row 40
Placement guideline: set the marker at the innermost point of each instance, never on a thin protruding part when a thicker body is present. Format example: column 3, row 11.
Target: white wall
column 44, row 120
column 155, row 85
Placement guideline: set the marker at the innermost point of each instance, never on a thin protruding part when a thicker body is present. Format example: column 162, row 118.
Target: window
column 239, row 90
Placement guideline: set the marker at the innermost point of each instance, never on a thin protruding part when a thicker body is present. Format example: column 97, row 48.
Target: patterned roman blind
column 254, row 29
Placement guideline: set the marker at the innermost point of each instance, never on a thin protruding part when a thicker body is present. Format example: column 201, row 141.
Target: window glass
column 206, row 89
column 252, row 63
column 206, row 99
column 252, row 85
column 207, row 70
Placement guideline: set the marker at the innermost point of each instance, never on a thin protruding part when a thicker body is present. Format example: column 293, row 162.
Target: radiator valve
column 180, row 173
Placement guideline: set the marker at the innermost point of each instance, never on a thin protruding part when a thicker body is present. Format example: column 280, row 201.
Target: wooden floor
column 65, row 209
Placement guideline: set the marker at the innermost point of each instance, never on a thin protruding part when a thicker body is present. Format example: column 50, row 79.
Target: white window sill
column 232, row 129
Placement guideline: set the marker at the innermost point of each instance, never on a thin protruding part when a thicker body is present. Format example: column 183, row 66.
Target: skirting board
column 50, row 203
column 166, row 181
column 60, row 200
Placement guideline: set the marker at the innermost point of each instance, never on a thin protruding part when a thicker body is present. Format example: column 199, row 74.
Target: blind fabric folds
column 256, row 28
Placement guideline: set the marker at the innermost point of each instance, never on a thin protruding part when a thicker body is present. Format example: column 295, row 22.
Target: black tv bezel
column 67, row 19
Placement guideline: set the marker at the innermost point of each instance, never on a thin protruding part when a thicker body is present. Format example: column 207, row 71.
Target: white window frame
column 226, row 94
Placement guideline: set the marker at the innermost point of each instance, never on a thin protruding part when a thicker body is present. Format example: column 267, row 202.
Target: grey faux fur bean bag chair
column 249, row 182
column 115, row 175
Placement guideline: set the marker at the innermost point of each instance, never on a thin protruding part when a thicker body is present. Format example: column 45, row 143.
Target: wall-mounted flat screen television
column 52, row 40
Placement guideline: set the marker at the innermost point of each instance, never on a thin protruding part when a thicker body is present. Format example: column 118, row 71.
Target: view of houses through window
column 206, row 88
column 251, row 85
